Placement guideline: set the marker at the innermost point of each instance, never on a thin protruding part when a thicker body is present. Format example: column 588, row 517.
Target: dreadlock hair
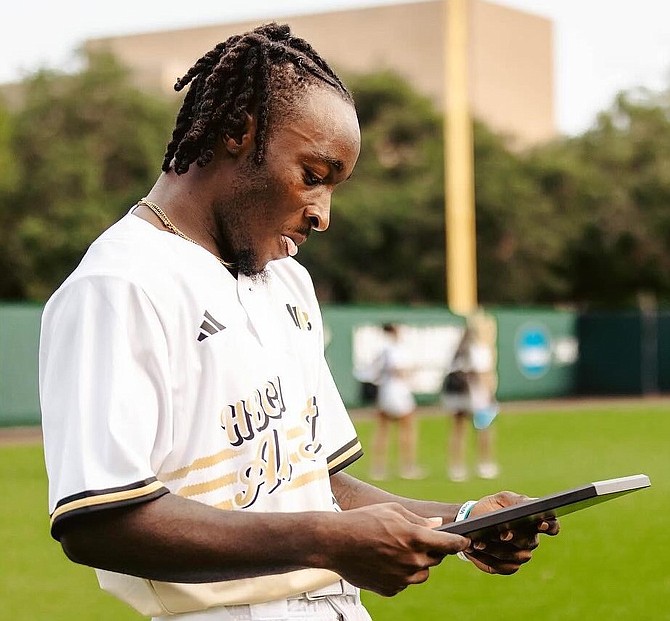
column 260, row 72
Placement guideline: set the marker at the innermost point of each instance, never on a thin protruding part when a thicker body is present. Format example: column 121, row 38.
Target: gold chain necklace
column 167, row 223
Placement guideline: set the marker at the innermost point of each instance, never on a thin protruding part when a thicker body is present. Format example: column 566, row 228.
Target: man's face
column 277, row 204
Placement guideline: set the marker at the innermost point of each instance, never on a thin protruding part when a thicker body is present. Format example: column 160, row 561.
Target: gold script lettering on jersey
column 276, row 453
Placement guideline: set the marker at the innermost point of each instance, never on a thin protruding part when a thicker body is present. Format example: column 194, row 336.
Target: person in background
column 469, row 391
column 395, row 406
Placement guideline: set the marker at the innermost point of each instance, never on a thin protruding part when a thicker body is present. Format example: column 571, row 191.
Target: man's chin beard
column 247, row 264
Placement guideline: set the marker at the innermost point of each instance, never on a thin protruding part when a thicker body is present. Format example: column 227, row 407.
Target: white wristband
column 462, row 514
column 464, row 511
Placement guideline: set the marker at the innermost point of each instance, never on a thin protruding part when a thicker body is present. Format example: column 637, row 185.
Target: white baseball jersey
column 160, row 372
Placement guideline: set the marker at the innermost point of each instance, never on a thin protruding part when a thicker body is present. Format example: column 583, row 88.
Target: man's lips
column 292, row 242
column 291, row 246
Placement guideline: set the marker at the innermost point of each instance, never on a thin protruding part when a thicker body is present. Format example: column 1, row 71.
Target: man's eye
column 311, row 178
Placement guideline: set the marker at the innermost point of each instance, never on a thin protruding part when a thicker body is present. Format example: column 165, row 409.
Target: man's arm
column 383, row 547
column 380, row 542
column 352, row 493
column 180, row 540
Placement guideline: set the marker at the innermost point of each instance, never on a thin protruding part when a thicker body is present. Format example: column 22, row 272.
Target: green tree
column 9, row 182
column 612, row 185
column 87, row 146
column 580, row 220
column 519, row 227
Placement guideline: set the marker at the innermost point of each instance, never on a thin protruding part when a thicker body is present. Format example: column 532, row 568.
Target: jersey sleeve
column 340, row 440
column 104, row 375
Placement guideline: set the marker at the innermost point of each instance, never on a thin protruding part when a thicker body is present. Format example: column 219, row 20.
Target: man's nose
column 318, row 213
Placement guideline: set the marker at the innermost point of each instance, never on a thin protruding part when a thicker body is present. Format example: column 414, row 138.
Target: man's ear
column 237, row 145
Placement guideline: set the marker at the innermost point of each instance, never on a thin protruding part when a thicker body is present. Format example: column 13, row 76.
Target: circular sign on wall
column 532, row 347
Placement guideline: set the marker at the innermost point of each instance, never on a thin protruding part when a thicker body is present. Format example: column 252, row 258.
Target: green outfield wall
column 541, row 353
column 664, row 352
column 538, row 353
column 624, row 353
column 19, row 342
column 353, row 338
column 538, row 350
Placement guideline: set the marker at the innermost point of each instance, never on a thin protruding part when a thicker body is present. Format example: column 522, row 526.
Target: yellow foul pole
column 461, row 254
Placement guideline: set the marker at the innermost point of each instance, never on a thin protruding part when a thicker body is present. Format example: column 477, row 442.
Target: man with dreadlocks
column 194, row 438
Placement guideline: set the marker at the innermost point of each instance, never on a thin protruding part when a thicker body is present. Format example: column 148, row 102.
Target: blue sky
column 601, row 46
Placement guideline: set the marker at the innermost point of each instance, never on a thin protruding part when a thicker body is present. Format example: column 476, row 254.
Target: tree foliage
column 616, row 190
column 582, row 220
column 86, row 146
column 518, row 227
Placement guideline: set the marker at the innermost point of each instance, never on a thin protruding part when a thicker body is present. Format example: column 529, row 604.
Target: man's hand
column 506, row 552
column 385, row 547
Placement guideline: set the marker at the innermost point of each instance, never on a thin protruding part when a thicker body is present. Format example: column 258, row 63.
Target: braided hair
column 260, row 72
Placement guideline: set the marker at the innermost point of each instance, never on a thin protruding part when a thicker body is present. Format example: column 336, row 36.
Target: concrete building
column 510, row 56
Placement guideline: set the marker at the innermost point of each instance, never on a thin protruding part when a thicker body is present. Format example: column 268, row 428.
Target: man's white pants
column 330, row 608
column 318, row 605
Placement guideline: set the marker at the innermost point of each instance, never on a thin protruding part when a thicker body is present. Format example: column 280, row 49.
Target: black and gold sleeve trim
column 110, row 498
column 345, row 456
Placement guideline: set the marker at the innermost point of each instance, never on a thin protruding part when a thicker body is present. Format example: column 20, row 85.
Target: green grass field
column 609, row 563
